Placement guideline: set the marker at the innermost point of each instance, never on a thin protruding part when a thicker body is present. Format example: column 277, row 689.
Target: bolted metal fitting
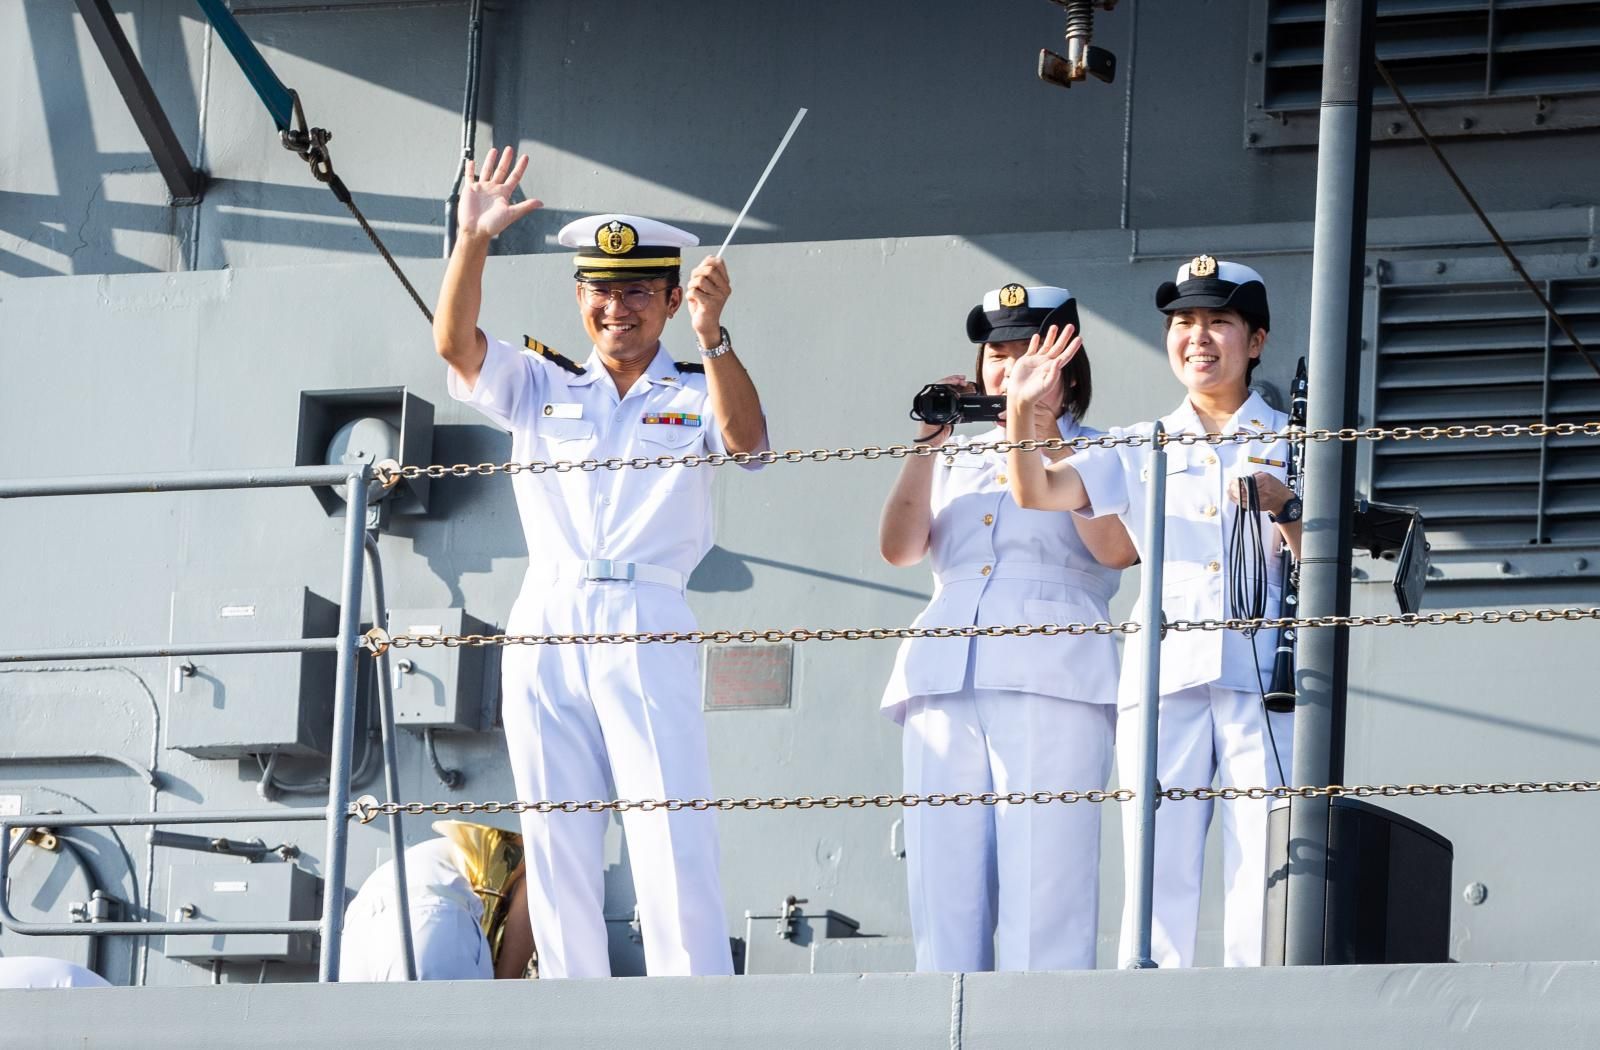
column 789, row 917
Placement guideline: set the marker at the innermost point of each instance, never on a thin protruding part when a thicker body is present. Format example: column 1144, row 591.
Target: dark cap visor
column 1250, row 298
column 1005, row 325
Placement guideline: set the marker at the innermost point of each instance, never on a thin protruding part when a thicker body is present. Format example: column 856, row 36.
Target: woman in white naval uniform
column 1213, row 722
column 1003, row 887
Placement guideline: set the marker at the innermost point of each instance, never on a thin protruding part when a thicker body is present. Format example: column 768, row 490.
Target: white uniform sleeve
column 509, row 382
column 715, row 442
column 1105, row 478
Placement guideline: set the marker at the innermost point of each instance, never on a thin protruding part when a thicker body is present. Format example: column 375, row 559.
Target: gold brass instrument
column 491, row 859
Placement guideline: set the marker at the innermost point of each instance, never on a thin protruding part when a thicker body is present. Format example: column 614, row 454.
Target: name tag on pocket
column 564, row 410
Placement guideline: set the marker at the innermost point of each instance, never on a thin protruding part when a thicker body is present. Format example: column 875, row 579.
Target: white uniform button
column 986, row 570
column 1215, row 566
column 1211, row 460
column 949, row 461
column 988, row 519
column 1001, row 478
column 1211, row 511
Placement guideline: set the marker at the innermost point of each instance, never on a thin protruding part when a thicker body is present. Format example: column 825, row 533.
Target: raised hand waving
column 486, row 207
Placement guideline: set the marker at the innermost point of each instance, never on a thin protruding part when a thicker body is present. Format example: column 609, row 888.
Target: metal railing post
column 1334, row 365
column 1151, row 622
column 391, row 767
column 344, row 716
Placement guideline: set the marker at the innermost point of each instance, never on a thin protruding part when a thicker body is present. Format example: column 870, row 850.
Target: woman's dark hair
column 1077, row 383
column 1251, row 327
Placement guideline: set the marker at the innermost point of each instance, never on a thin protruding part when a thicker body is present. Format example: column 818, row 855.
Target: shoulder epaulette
column 690, row 366
column 560, row 360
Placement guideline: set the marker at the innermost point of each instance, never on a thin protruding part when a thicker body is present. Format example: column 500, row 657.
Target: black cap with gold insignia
column 616, row 247
column 1209, row 283
column 1015, row 312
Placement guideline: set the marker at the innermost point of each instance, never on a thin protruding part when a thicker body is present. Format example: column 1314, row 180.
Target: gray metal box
column 766, row 951
column 235, row 706
column 439, row 687
column 243, row 893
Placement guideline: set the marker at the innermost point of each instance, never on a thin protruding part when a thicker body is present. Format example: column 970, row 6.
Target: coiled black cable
column 1247, row 588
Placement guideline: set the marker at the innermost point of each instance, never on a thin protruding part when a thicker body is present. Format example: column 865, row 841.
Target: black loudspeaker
column 1389, row 887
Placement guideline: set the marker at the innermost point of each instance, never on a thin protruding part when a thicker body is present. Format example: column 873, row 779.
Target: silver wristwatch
column 721, row 348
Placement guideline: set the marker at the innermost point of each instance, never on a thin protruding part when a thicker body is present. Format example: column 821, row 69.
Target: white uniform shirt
column 433, row 876
column 1199, row 525
column 995, row 563
column 655, row 516
column 37, row 971
column 446, row 922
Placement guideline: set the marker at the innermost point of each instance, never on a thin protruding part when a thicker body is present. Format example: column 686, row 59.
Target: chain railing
column 389, row 475
column 377, row 641
column 368, row 808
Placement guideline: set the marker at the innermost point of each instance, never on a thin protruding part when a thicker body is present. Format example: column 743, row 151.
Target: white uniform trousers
column 1207, row 734
column 1004, row 887
column 603, row 721
column 448, row 942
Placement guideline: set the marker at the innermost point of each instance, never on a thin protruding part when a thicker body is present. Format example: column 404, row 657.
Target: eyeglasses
column 634, row 298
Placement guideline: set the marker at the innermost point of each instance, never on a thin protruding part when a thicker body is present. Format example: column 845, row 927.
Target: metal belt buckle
column 606, row 569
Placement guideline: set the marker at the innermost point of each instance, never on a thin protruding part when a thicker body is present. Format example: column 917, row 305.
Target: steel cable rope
column 367, row 808
column 391, row 475
column 311, row 145
column 1472, row 202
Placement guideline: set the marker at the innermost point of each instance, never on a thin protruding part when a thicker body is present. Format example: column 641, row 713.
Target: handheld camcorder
column 942, row 405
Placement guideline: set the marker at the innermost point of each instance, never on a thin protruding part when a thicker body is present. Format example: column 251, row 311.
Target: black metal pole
column 1339, row 246
column 184, row 184
column 469, row 120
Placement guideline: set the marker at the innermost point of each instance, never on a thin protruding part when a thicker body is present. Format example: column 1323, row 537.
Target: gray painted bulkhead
column 1471, row 1007
column 154, row 338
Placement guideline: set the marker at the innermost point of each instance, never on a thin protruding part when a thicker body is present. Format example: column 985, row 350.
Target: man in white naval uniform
column 1213, row 719
column 608, row 551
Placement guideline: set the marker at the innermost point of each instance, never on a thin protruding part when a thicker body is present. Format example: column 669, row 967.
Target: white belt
column 604, row 569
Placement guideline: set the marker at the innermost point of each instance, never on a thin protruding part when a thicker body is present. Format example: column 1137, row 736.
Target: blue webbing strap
column 273, row 94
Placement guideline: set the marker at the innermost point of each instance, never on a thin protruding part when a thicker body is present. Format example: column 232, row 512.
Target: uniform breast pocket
column 564, row 435
column 1189, row 592
column 663, row 436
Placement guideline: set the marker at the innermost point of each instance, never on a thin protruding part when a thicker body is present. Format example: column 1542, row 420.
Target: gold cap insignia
column 1013, row 295
column 616, row 238
column 1202, row 266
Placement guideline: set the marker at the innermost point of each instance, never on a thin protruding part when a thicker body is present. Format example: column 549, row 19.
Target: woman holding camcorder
column 1003, row 887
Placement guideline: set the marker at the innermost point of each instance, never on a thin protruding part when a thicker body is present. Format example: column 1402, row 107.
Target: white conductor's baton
column 762, row 181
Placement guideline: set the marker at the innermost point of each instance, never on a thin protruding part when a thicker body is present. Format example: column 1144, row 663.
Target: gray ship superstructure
column 228, row 338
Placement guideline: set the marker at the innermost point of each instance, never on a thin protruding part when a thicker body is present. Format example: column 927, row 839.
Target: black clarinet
column 1280, row 694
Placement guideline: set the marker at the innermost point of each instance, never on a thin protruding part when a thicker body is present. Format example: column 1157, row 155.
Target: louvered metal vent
column 1485, row 353
column 1471, row 67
